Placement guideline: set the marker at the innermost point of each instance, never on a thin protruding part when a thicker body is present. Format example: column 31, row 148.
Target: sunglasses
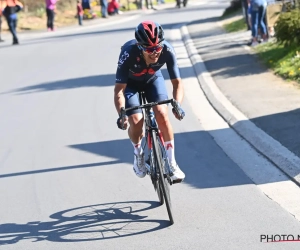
column 151, row 50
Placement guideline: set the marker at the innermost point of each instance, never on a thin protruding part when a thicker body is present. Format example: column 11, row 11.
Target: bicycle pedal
column 177, row 181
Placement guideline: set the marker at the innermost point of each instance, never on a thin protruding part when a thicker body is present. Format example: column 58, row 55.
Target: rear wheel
column 163, row 181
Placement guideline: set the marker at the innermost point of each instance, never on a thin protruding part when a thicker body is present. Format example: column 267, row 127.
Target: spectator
column 10, row 12
column 249, row 16
column 113, row 7
column 88, row 12
column 271, row 32
column 149, row 2
column 86, row 4
column 246, row 11
column 104, row 8
column 258, row 12
column 1, row 7
column 79, row 12
column 50, row 10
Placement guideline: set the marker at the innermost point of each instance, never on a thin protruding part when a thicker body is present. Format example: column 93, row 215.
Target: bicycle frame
column 151, row 125
column 150, row 122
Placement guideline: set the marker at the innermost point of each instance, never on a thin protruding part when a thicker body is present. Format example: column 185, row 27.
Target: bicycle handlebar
column 147, row 105
column 173, row 102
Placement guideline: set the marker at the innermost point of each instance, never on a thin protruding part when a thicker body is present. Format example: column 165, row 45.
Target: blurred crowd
column 9, row 11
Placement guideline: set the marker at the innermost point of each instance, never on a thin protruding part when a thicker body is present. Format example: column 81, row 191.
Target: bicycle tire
column 155, row 179
column 157, row 188
column 163, row 181
column 159, row 192
column 153, row 174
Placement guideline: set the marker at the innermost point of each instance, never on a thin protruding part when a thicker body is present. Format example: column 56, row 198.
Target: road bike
column 157, row 163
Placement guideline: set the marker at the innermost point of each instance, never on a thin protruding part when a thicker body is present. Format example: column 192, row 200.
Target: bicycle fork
column 165, row 160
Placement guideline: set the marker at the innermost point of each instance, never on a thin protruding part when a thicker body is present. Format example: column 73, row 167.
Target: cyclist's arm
column 119, row 96
column 174, row 74
column 178, row 91
column 121, row 80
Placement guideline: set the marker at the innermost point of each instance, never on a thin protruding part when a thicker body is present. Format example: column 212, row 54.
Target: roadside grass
column 31, row 21
column 235, row 26
column 285, row 61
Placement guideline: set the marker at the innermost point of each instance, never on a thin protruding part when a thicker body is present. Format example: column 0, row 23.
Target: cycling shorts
column 155, row 91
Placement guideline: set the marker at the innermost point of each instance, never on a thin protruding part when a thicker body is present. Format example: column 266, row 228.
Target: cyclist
column 138, row 69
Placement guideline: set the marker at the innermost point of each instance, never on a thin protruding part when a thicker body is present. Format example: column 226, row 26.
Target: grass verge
column 285, row 61
column 31, row 21
column 235, row 26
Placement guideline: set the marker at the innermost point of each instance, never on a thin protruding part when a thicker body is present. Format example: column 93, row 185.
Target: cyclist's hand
column 178, row 111
column 125, row 124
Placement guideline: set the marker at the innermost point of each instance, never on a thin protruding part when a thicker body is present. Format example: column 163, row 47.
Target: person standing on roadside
column 149, row 4
column 103, row 8
column 1, row 7
column 270, row 29
column 79, row 12
column 1, row 26
column 10, row 12
column 86, row 4
column 258, row 12
column 50, row 10
column 246, row 11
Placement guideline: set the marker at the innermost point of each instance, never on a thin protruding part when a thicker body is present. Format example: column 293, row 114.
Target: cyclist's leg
column 135, row 131
column 135, row 117
column 157, row 91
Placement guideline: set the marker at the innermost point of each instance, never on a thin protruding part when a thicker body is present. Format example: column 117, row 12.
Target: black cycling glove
column 178, row 110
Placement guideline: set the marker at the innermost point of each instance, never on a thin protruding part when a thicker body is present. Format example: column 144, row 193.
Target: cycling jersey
column 132, row 67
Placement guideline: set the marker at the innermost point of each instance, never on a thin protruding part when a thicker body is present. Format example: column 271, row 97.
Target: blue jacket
column 258, row 2
column 11, row 12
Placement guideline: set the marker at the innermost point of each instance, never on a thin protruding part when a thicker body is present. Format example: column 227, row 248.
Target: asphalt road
column 66, row 178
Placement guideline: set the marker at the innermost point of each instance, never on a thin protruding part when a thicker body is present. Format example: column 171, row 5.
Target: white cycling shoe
column 139, row 165
column 178, row 175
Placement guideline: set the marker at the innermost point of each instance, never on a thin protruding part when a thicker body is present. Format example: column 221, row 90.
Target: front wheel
column 163, row 181
column 158, row 190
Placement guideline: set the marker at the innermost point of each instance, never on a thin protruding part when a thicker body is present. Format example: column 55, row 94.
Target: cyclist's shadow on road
column 87, row 223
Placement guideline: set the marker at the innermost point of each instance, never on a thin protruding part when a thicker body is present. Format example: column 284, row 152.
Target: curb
column 279, row 155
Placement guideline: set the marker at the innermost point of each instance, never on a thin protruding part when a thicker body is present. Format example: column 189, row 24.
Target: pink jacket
column 50, row 4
